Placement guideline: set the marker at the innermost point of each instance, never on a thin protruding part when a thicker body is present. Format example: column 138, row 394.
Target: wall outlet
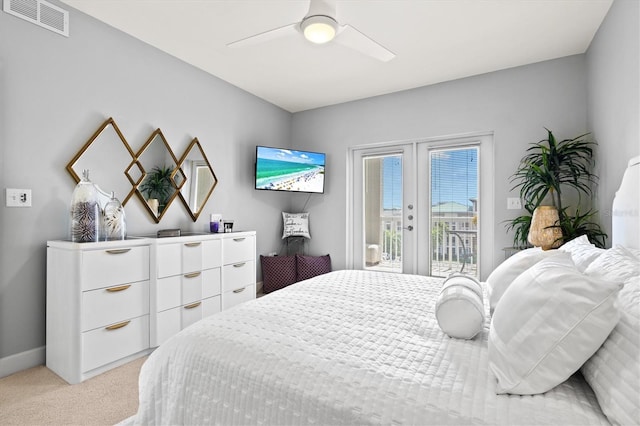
column 18, row 197
column 514, row 204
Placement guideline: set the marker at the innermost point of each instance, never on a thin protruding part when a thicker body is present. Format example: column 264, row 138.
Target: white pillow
column 582, row 251
column 616, row 263
column 548, row 323
column 613, row 372
column 295, row 225
column 634, row 251
column 459, row 308
column 502, row 277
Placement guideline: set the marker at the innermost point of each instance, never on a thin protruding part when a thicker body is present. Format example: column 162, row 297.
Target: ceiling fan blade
column 352, row 38
column 266, row 36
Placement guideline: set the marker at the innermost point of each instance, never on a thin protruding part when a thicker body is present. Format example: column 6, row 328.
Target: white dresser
column 97, row 306
column 194, row 276
column 111, row 302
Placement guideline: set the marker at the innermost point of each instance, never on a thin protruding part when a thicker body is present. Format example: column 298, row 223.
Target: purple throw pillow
column 310, row 266
column 277, row 272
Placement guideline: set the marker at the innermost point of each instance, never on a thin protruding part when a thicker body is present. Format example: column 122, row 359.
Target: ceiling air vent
column 41, row 13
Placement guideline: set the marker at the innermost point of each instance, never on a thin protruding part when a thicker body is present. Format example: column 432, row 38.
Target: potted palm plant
column 545, row 173
column 157, row 185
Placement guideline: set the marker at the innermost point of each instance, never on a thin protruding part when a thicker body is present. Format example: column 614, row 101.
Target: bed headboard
column 625, row 224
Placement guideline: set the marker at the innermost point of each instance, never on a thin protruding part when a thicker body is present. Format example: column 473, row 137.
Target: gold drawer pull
column 118, row 288
column 118, row 251
column 240, row 290
column 239, row 265
column 196, row 244
column 192, row 275
column 117, row 326
column 237, row 240
column 193, row 305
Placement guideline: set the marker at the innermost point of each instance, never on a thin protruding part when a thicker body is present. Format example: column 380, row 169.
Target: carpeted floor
column 37, row 396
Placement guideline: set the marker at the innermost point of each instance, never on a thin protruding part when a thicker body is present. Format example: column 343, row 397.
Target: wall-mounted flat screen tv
column 281, row 169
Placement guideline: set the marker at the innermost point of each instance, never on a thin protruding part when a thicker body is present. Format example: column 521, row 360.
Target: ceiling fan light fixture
column 319, row 29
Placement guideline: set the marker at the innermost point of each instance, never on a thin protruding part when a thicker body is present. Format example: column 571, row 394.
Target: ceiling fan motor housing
column 319, row 29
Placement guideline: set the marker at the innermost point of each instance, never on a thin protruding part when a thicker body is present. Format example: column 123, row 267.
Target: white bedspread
column 349, row 347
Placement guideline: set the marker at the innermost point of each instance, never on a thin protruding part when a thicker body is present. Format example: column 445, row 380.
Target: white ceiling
column 434, row 41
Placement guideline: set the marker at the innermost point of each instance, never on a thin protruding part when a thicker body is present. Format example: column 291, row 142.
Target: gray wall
column 55, row 91
column 515, row 104
column 613, row 63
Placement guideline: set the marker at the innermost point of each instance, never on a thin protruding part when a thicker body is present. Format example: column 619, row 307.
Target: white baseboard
column 18, row 362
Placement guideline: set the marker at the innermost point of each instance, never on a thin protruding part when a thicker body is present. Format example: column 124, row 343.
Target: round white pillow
column 459, row 308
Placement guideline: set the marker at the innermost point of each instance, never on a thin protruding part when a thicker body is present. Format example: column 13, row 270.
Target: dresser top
column 143, row 240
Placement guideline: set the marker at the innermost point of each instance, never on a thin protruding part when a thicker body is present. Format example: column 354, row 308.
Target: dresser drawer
column 178, row 290
column 237, row 296
column 173, row 320
column 179, row 258
column 112, row 304
column 107, row 344
column 169, row 260
column 103, row 268
column 211, row 282
column 211, row 254
column 168, row 323
column 192, row 256
column 238, row 249
column 211, row 306
column 238, row 275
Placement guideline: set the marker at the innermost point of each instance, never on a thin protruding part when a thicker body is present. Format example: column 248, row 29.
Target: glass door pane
column 454, row 211
column 382, row 212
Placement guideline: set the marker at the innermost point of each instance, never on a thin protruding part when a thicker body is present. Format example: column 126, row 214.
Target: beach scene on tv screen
column 289, row 170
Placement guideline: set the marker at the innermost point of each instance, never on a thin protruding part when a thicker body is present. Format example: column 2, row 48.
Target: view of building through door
column 454, row 210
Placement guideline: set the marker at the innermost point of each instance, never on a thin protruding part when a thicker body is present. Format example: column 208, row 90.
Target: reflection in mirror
column 106, row 143
column 157, row 162
column 198, row 179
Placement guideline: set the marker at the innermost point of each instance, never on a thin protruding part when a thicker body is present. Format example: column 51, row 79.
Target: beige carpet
column 37, row 396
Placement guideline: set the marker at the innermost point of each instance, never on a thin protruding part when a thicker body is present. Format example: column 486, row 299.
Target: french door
column 418, row 207
column 383, row 208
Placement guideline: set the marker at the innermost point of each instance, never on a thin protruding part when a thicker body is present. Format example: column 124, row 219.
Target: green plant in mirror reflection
column 157, row 184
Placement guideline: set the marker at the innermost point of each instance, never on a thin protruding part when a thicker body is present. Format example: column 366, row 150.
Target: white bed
column 349, row 347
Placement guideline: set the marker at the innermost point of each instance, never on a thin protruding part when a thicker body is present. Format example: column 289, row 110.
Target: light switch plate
column 18, row 197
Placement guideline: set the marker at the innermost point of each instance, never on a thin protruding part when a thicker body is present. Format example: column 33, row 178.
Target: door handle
column 409, row 228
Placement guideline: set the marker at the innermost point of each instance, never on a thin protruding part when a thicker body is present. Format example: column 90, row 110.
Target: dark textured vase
column 85, row 211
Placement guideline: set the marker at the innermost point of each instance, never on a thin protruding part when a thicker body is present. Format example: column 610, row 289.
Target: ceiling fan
column 320, row 26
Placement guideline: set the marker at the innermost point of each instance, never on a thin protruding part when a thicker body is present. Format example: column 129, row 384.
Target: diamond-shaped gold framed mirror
column 156, row 187
column 108, row 176
column 197, row 177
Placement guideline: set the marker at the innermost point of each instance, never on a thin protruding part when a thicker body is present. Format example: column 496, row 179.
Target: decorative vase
column 153, row 204
column 545, row 228
column 115, row 225
column 85, row 211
